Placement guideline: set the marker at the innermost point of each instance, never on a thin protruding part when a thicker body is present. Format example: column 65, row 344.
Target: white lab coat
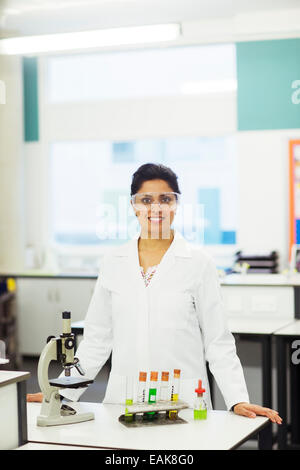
column 176, row 322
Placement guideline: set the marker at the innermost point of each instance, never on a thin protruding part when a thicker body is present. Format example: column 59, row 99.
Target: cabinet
column 40, row 302
column 13, row 422
column 264, row 301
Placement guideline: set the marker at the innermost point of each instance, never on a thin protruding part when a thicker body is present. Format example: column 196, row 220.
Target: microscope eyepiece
column 66, row 315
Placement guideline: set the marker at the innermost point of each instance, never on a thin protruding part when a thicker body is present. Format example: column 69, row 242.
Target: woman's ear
column 135, row 213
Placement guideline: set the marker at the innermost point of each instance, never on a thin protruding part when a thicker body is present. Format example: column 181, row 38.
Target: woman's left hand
column 251, row 411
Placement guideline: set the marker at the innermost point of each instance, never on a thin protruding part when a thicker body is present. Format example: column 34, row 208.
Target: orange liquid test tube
column 142, row 387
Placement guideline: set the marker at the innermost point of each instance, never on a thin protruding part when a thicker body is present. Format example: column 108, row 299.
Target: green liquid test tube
column 152, row 392
column 153, row 387
column 152, row 395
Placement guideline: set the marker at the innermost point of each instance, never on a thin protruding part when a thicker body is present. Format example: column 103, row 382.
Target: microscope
column 60, row 349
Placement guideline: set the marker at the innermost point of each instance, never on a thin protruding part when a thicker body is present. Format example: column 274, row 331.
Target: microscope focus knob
column 69, row 343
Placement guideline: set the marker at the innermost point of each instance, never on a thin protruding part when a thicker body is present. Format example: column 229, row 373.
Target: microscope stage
column 70, row 382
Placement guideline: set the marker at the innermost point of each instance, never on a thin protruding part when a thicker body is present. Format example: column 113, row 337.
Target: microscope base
column 60, row 420
column 53, row 415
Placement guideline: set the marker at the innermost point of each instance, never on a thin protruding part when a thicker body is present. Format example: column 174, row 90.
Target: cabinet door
column 259, row 301
column 74, row 295
column 40, row 303
column 38, row 313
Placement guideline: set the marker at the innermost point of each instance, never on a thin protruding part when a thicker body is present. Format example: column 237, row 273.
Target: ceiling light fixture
column 28, row 45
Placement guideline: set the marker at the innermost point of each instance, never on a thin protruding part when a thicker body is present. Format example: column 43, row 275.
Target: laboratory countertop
column 292, row 329
column 45, row 446
column 8, row 377
column 257, row 326
column 222, row 430
column 39, row 274
column 279, row 280
column 240, row 325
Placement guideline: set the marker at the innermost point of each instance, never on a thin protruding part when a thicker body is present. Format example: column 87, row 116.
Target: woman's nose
column 155, row 207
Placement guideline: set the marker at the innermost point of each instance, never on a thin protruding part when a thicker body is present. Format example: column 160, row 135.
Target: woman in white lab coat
column 157, row 306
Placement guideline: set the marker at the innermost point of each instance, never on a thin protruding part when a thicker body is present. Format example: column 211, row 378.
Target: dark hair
column 153, row 171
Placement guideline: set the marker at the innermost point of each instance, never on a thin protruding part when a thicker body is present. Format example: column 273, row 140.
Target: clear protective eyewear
column 146, row 200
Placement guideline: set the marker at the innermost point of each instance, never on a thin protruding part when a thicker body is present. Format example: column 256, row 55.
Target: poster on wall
column 294, row 201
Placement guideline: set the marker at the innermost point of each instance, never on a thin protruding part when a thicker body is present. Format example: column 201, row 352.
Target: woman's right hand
column 34, row 397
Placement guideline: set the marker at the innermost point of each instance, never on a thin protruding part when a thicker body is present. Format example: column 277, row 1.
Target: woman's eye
column 146, row 200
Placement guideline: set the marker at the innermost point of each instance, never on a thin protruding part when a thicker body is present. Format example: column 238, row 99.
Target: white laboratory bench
column 258, row 295
column 288, row 365
column 223, row 430
column 257, row 326
column 247, row 328
column 13, row 413
column 292, row 329
column 257, row 306
column 262, row 279
column 244, row 295
column 260, row 330
column 239, row 325
column 44, row 446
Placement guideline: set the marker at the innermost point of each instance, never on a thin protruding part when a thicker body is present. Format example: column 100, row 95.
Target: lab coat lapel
column 166, row 264
column 130, row 254
column 178, row 247
column 163, row 268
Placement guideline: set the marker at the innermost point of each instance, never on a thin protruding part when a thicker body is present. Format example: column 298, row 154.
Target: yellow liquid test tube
column 175, row 385
column 129, row 398
column 175, row 392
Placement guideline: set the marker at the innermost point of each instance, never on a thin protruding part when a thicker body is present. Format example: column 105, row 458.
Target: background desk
column 13, row 412
column 222, row 430
column 284, row 339
column 260, row 330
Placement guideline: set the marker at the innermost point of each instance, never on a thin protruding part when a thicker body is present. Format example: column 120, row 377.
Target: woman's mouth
column 155, row 219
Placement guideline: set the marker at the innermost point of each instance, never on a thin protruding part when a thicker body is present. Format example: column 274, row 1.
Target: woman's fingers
column 251, row 411
column 268, row 412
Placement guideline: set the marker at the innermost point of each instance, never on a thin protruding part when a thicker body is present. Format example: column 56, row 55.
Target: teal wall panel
column 266, row 72
column 30, row 99
column 210, row 198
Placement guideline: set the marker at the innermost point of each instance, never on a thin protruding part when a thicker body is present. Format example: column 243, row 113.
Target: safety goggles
column 146, row 200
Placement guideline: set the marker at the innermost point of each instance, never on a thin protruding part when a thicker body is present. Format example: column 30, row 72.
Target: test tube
column 142, row 387
column 153, row 387
column 129, row 398
column 129, row 391
column 175, row 385
column 164, row 386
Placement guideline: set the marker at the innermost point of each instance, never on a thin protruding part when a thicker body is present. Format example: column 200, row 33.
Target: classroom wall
column 262, row 166
column 262, row 159
column 12, row 220
column 263, row 155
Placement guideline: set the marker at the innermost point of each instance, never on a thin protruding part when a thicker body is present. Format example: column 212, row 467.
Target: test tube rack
column 147, row 414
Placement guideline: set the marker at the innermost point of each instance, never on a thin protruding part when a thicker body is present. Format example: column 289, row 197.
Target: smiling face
column 155, row 219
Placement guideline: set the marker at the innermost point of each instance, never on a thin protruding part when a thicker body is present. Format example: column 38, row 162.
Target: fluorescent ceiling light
column 89, row 39
column 209, row 86
column 20, row 7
